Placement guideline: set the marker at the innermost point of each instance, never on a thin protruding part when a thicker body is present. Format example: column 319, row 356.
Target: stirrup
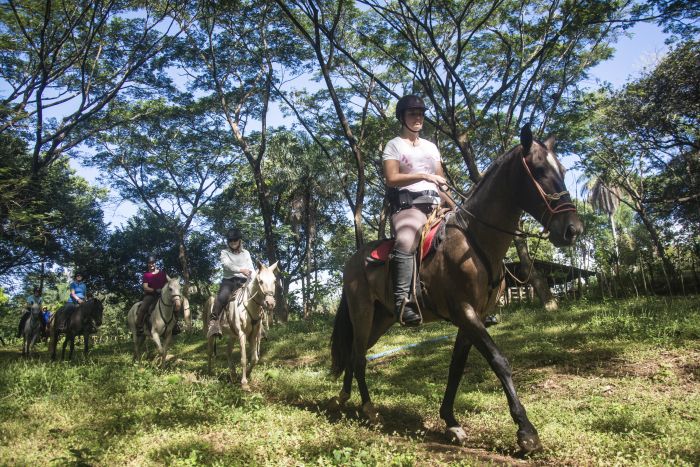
column 214, row 329
column 412, row 323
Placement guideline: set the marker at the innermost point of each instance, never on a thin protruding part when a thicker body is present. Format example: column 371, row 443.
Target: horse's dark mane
column 498, row 162
column 495, row 164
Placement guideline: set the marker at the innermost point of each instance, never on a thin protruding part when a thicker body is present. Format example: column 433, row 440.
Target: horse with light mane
column 460, row 280
column 243, row 319
column 162, row 318
column 32, row 329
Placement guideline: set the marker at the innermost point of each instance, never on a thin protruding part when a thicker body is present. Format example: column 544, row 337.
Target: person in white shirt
column 413, row 175
column 238, row 266
column 30, row 300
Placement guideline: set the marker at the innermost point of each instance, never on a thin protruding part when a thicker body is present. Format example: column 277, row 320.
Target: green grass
column 611, row 383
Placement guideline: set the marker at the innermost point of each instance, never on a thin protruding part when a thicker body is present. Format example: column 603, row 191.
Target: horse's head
column 171, row 294
column 95, row 309
column 543, row 193
column 266, row 283
column 35, row 309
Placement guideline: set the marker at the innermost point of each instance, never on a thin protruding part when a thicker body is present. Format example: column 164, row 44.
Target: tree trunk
column 536, row 280
column 666, row 265
column 184, row 264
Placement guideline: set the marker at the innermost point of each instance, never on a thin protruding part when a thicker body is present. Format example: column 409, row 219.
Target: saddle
column 433, row 235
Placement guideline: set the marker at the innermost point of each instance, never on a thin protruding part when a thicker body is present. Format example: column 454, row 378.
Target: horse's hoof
column 456, row 434
column 529, row 442
column 372, row 414
column 245, row 387
column 338, row 402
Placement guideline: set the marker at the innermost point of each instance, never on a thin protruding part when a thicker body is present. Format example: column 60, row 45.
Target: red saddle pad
column 381, row 252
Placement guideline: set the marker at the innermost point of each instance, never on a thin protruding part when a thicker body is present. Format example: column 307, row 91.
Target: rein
column 514, row 233
column 547, row 199
column 160, row 309
column 261, row 313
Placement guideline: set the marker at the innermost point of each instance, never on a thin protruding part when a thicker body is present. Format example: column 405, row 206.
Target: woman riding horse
column 238, row 266
column 77, row 295
column 35, row 298
column 461, row 279
column 154, row 280
column 413, row 173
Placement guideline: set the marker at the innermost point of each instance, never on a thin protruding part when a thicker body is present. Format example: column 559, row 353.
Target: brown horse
column 461, row 278
column 83, row 321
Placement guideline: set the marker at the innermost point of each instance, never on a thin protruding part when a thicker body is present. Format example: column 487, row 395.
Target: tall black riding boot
column 401, row 267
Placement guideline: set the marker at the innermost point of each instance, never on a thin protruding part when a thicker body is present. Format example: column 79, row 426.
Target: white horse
column 243, row 318
column 162, row 319
column 31, row 329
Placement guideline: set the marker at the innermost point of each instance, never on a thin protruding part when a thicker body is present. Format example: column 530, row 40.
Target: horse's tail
column 341, row 339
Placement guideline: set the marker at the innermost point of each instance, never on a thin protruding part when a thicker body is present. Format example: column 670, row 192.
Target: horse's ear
column 526, row 138
column 260, row 264
column 549, row 143
column 273, row 268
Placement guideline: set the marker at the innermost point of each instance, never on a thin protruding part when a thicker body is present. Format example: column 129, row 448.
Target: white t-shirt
column 233, row 262
column 421, row 158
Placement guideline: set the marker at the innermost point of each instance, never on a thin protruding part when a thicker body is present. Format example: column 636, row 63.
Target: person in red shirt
column 153, row 280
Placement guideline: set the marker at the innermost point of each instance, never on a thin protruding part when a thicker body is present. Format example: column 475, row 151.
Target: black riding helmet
column 232, row 235
column 151, row 259
column 408, row 102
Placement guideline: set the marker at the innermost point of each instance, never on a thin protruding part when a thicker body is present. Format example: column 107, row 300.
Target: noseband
column 172, row 297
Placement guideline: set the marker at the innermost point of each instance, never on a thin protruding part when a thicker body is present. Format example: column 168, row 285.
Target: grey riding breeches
column 406, row 225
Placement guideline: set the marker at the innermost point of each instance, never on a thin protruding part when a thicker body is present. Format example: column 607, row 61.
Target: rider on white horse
column 154, row 280
column 238, row 266
column 31, row 300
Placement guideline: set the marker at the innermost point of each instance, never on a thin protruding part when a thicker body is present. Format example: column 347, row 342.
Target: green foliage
column 54, row 218
column 643, row 142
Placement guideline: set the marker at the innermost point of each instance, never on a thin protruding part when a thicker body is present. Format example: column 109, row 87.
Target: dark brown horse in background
column 84, row 320
column 461, row 278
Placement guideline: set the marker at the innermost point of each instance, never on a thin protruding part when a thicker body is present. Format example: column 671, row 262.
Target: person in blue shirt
column 78, row 293
column 35, row 297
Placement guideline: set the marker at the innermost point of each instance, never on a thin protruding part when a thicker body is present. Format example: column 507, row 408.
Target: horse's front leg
column 244, row 361
column 32, row 343
column 457, row 364
column 136, row 339
column 168, row 343
column 473, row 328
column 156, row 338
column 86, row 338
column 255, row 347
column 210, row 351
column 53, row 343
column 229, row 358
column 68, row 340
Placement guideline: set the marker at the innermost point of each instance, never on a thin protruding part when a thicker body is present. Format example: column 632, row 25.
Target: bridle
column 239, row 296
column 546, row 198
column 172, row 302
